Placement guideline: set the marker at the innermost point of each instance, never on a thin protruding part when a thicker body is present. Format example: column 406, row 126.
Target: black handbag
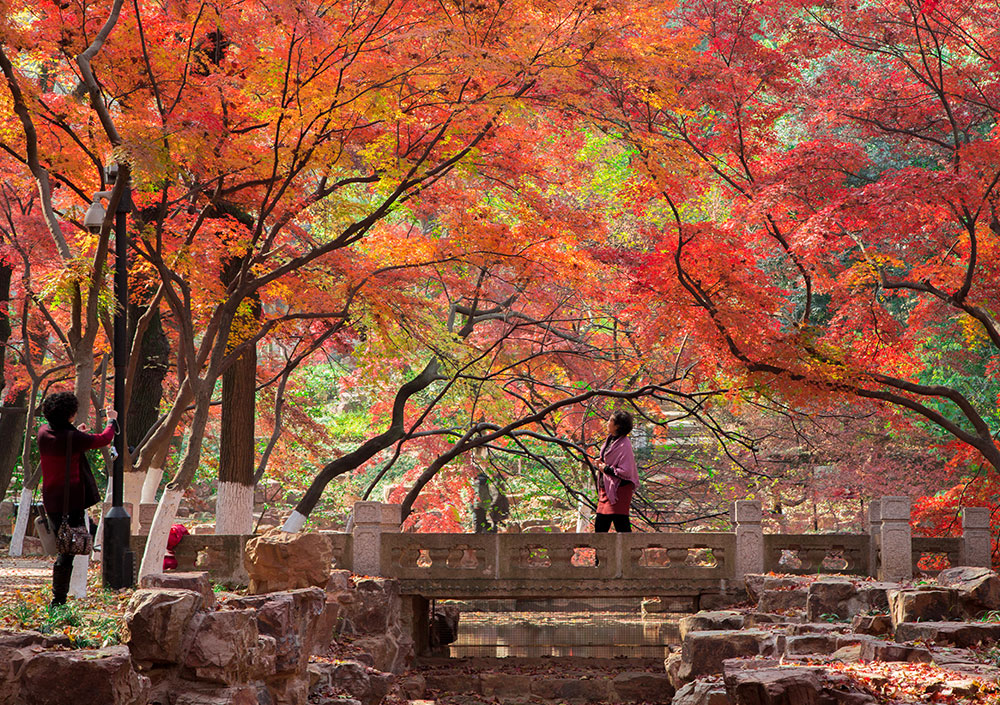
column 75, row 540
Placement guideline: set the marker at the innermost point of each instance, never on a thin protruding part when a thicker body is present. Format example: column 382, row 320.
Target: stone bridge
column 544, row 565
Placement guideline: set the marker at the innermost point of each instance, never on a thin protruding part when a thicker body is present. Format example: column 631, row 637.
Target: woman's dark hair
column 59, row 408
column 623, row 422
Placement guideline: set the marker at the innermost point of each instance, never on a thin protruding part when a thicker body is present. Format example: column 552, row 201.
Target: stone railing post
column 371, row 520
column 749, row 538
column 874, row 534
column 896, row 559
column 976, row 546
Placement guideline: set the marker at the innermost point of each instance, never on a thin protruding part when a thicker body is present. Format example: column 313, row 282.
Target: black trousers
column 62, row 569
column 603, row 522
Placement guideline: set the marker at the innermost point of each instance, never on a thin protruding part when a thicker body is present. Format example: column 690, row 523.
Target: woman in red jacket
column 53, row 440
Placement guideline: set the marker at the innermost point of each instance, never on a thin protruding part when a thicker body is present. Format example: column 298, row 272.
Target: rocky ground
column 817, row 640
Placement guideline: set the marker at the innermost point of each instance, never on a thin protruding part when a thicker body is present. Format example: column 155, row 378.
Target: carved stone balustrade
column 806, row 554
column 932, row 555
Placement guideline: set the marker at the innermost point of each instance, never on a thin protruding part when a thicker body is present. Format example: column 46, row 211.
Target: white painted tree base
column 159, row 531
column 99, row 539
column 234, row 508
column 150, row 485
column 132, row 484
column 294, row 523
column 21, row 524
column 78, row 582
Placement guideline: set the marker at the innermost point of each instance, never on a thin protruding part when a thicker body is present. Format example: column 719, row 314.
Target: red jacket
column 52, row 448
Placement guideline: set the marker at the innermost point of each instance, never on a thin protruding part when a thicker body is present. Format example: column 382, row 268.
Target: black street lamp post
column 117, row 558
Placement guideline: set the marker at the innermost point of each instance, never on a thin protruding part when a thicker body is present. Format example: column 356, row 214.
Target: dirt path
column 28, row 573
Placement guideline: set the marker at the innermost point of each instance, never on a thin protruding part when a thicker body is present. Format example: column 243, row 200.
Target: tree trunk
column 144, row 403
column 12, row 423
column 166, row 508
column 12, row 427
column 234, row 503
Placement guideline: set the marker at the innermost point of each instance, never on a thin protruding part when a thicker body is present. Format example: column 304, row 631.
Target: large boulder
column 16, row 650
column 711, row 621
column 279, row 561
column 196, row 581
column 156, row 622
column 224, row 648
column 979, row 588
column 294, row 620
column 702, row 653
column 923, row 604
column 963, row 634
column 83, row 677
column 749, row 684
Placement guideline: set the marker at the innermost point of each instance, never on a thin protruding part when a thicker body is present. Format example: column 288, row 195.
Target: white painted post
column 896, row 559
column 976, row 544
column 747, row 516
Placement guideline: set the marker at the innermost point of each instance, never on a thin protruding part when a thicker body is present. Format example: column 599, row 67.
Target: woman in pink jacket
column 619, row 476
column 53, row 440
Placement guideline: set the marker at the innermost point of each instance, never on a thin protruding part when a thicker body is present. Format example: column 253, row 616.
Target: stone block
column 282, row 561
column 205, row 694
column 874, row 624
column 788, row 685
column 702, row 692
column 505, row 684
column 804, row 644
column 642, row 686
column 961, row 634
column 156, row 622
column 587, row 690
column 756, row 619
column 979, row 588
column 703, row 652
column 711, row 621
column 196, row 581
column 923, row 604
column 874, row 595
column 793, row 600
column 878, row 650
column 831, row 597
column 83, row 677
column 453, row 682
